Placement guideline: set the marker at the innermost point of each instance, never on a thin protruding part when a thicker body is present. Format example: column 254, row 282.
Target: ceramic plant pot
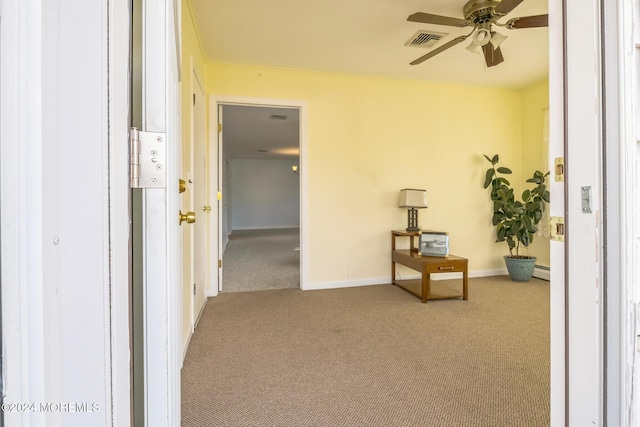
column 520, row 269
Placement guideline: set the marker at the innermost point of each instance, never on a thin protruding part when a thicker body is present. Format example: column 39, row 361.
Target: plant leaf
column 488, row 177
column 486, row 157
column 545, row 197
column 495, row 159
column 504, row 170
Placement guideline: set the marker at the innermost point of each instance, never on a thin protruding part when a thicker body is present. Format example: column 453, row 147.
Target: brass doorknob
column 190, row 217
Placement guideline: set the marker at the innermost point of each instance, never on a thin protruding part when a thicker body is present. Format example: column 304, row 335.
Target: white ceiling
column 253, row 133
column 364, row 37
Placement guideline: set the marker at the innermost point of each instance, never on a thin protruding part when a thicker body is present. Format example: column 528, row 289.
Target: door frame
column 216, row 101
column 162, row 242
column 621, row 104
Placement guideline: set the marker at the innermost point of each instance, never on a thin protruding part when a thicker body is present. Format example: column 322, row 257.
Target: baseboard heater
column 542, row 272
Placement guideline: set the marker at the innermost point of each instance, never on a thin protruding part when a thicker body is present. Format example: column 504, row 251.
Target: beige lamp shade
column 412, row 198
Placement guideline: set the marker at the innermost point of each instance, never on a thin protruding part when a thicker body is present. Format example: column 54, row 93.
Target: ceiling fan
column 482, row 15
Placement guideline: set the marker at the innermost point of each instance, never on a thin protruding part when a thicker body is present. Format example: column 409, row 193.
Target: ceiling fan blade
column 427, row 18
column 492, row 56
column 528, row 22
column 506, row 6
column 434, row 52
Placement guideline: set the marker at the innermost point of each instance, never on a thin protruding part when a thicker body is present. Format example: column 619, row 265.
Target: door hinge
column 194, row 99
column 557, row 228
column 219, row 263
column 194, row 288
column 147, row 159
column 219, row 127
column 558, row 169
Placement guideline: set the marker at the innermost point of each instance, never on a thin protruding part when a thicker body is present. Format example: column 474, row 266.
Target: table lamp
column 414, row 200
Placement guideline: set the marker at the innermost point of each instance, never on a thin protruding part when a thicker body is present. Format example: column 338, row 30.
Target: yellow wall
column 535, row 155
column 370, row 137
column 192, row 58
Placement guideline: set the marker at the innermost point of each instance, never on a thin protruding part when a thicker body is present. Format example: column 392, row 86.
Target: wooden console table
column 426, row 265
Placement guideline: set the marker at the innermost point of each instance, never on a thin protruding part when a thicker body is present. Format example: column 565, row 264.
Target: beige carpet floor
column 371, row 356
column 258, row 260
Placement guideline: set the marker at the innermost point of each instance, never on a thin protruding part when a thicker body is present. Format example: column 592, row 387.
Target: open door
column 201, row 241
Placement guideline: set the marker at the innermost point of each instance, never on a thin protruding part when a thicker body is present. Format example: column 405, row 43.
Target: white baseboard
column 542, row 272
column 186, row 347
column 347, row 284
column 279, row 227
column 387, row 280
column 472, row 274
column 339, row 284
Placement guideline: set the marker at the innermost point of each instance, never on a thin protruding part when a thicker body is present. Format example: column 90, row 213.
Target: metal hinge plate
column 147, row 159
column 219, row 263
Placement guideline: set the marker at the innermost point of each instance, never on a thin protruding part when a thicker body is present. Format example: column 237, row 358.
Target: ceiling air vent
column 425, row 39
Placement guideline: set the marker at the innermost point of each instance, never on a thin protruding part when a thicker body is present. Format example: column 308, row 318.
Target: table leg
column 393, row 264
column 426, row 284
column 465, row 284
column 393, row 272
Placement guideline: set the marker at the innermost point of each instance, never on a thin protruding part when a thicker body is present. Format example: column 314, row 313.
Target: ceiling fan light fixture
column 474, row 48
column 481, row 37
column 497, row 39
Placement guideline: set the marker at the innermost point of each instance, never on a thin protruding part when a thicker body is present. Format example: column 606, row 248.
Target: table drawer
column 446, row 267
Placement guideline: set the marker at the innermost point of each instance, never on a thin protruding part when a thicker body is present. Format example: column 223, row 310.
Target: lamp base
column 412, row 218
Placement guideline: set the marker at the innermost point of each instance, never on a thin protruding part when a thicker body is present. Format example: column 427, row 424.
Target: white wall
column 264, row 194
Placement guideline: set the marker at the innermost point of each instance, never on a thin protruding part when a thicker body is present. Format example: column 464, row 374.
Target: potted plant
column 516, row 221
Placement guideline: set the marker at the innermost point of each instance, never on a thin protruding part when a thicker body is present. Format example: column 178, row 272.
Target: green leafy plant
column 516, row 221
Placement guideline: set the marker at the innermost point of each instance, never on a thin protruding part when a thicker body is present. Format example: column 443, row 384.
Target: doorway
column 261, row 211
column 262, row 185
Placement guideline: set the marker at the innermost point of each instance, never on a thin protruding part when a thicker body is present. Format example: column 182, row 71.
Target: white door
column 200, row 201
column 160, row 234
